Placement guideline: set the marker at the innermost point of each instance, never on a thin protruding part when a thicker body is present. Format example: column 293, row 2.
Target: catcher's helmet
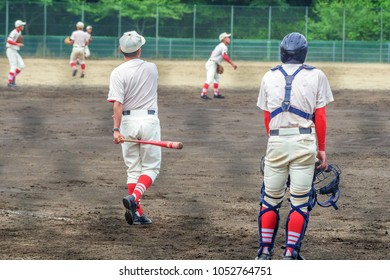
column 293, row 48
column 326, row 182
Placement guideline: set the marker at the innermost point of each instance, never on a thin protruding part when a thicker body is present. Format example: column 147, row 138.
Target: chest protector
column 285, row 106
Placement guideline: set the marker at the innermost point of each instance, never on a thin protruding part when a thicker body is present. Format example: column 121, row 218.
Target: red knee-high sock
column 11, row 77
column 205, row 88
column 130, row 188
column 83, row 68
column 216, row 90
column 268, row 224
column 294, row 229
column 144, row 183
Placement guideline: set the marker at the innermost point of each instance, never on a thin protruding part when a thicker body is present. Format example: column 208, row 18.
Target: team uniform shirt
column 13, row 36
column 218, row 52
column 310, row 90
column 131, row 85
column 80, row 38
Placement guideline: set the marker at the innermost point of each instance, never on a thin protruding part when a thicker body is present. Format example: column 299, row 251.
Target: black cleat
column 130, row 206
column 82, row 75
column 205, row 97
column 141, row 220
column 74, row 72
column 219, row 96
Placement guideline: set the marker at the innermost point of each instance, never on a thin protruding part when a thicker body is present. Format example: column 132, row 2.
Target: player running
column 79, row 39
column 14, row 58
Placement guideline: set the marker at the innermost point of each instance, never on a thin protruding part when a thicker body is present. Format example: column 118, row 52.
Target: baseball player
column 79, row 39
column 133, row 92
column 89, row 33
column 217, row 55
column 291, row 95
column 14, row 58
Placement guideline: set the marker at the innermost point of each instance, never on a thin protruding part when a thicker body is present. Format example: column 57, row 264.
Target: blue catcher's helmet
column 326, row 182
column 293, row 48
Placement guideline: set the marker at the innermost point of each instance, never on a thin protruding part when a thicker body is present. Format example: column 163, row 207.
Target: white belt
column 78, row 46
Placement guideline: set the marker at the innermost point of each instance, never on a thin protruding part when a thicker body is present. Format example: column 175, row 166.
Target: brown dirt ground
column 62, row 179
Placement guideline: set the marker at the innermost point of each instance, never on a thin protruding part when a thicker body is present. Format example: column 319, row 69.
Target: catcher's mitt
column 20, row 39
column 67, row 40
column 219, row 69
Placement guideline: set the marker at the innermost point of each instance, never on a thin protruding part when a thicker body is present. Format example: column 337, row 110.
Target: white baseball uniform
column 134, row 85
column 216, row 57
column 14, row 58
column 291, row 152
column 80, row 39
column 89, row 40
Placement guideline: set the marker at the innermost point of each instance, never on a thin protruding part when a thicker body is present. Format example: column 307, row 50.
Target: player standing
column 89, row 33
column 291, row 95
column 14, row 58
column 133, row 91
column 79, row 39
column 217, row 55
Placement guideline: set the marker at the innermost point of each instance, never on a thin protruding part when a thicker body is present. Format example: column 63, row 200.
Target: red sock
column 216, row 91
column 130, row 188
column 268, row 224
column 294, row 229
column 83, row 67
column 11, row 77
column 205, row 88
column 139, row 209
column 144, row 182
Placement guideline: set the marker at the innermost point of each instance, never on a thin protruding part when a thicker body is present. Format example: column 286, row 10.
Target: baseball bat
column 164, row 144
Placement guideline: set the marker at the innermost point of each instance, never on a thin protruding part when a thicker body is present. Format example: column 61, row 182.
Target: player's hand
column 118, row 137
column 234, row 66
column 321, row 155
column 20, row 44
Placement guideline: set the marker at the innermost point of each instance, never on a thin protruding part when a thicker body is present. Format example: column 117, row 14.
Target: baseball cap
column 19, row 23
column 80, row 24
column 223, row 36
column 89, row 27
column 131, row 41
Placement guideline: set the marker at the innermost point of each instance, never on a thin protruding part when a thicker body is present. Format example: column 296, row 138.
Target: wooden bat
column 164, row 144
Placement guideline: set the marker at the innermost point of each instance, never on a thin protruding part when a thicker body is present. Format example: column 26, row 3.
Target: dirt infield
column 62, row 178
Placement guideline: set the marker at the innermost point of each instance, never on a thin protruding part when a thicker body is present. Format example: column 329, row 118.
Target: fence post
column 231, row 29
column 343, row 42
column 306, row 20
column 194, row 34
column 6, row 20
column 381, row 37
column 44, row 29
column 156, row 30
column 269, row 33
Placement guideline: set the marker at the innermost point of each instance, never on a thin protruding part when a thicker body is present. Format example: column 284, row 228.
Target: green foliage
column 352, row 20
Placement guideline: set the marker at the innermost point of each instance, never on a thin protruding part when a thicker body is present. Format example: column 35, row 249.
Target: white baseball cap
column 223, row 36
column 89, row 27
column 80, row 24
column 19, row 23
column 131, row 41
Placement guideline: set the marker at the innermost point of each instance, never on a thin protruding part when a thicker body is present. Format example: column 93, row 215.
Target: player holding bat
column 133, row 92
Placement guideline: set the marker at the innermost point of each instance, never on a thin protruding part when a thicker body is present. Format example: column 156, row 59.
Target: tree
column 355, row 20
column 140, row 13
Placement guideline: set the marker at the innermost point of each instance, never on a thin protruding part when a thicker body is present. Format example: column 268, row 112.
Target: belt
column 290, row 131
column 138, row 112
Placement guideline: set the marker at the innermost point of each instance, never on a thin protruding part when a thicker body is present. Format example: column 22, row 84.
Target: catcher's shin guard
column 296, row 225
column 271, row 213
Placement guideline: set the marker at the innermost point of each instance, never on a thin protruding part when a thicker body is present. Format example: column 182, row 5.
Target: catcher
column 290, row 96
column 14, row 42
column 214, row 67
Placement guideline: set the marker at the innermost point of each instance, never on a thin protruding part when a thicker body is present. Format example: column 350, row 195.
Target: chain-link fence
column 193, row 31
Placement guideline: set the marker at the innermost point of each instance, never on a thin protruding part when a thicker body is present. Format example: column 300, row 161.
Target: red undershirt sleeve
column 320, row 125
column 267, row 119
column 226, row 57
column 12, row 42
